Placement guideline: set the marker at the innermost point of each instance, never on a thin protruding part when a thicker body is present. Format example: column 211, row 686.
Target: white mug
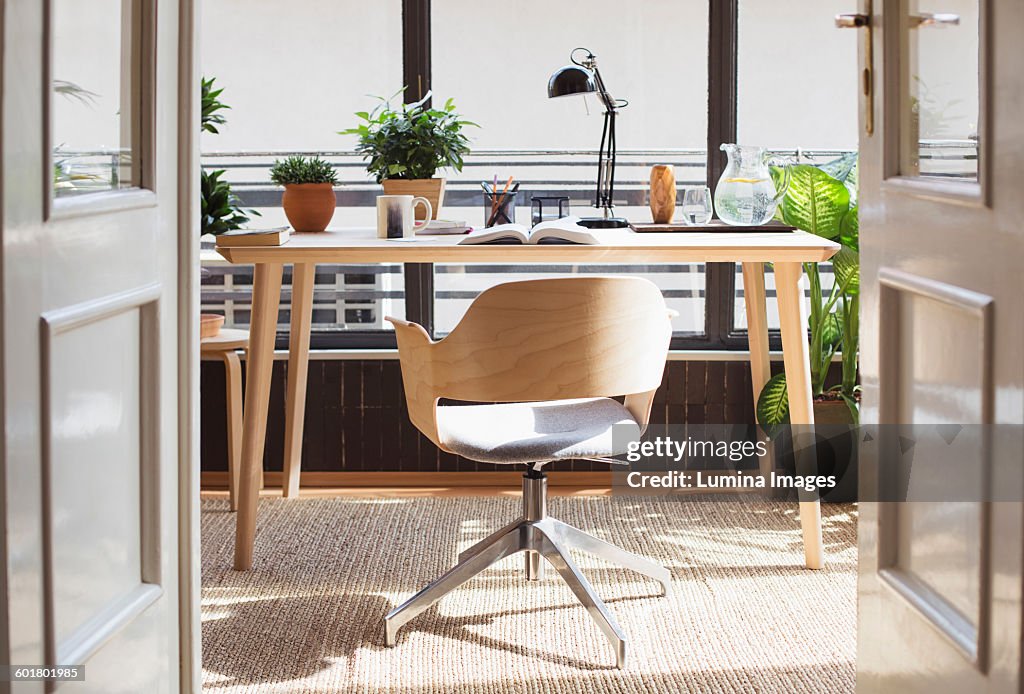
column 396, row 217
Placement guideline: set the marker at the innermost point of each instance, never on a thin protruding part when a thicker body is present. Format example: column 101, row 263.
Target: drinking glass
column 696, row 206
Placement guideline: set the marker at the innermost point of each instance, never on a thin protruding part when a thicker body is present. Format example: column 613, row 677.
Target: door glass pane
column 95, row 48
column 941, row 87
column 496, row 67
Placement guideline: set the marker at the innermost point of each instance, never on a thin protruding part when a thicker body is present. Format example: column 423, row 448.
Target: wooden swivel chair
column 550, row 354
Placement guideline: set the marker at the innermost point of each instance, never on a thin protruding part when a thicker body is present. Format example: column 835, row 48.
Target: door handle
column 852, row 21
column 867, row 77
column 930, row 19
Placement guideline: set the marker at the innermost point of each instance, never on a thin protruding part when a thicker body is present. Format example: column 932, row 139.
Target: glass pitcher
column 746, row 194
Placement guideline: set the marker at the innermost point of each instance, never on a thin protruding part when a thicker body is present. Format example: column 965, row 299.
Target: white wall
column 497, row 65
column 294, row 72
column 797, row 75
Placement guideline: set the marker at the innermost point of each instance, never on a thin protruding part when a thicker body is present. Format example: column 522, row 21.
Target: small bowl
column 209, row 325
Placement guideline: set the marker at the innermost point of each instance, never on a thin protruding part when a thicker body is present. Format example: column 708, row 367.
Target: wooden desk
column 787, row 250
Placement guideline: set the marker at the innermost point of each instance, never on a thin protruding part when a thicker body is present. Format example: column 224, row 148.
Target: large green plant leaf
column 831, row 329
column 815, row 201
column 852, row 182
column 849, row 229
column 846, row 264
column 773, row 405
column 841, row 168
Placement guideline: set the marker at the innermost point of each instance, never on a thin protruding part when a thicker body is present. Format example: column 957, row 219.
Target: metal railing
column 355, row 298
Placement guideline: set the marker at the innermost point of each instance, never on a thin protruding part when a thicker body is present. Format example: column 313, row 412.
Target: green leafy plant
column 220, row 210
column 823, row 201
column 302, row 170
column 74, row 92
column 211, row 105
column 412, row 141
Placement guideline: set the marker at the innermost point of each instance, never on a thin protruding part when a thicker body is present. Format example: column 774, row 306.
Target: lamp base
column 604, row 223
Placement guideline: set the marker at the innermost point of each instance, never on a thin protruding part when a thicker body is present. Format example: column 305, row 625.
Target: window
column 942, row 95
column 292, row 85
column 796, row 93
column 95, row 48
column 794, row 90
column 550, row 145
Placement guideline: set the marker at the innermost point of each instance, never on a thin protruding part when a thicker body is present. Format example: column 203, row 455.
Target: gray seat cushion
column 531, row 432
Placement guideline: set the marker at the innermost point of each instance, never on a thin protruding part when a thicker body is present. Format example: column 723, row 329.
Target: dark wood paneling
column 356, row 419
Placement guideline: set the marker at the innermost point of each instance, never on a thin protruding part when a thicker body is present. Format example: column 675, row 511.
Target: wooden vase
column 663, row 193
column 309, row 206
column 430, row 188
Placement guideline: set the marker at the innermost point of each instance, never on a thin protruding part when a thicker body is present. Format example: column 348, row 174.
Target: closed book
column 442, row 227
column 254, row 237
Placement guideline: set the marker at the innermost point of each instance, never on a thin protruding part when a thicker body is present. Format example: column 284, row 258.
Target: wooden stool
column 223, row 347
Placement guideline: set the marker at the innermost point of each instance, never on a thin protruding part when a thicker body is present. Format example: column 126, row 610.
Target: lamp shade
column 571, row 79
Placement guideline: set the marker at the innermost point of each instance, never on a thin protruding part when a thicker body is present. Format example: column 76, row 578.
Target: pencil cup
column 499, row 208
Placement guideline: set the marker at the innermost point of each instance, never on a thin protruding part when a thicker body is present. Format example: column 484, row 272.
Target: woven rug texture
column 745, row 615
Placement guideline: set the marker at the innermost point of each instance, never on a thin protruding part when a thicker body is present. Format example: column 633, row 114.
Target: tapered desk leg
column 793, row 320
column 303, row 275
column 233, row 379
column 266, row 298
column 757, row 336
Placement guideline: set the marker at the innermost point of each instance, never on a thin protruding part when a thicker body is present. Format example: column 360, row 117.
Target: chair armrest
column 414, row 354
column 402, row 325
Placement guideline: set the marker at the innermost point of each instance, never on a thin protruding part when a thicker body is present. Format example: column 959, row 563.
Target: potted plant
column 308, row 191
column 405, row 146
column 219, row 206
column 823, row 201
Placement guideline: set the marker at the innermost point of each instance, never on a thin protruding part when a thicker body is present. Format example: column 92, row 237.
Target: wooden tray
column 712, row 226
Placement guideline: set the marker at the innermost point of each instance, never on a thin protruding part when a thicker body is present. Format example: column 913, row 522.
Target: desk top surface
column 361, row 245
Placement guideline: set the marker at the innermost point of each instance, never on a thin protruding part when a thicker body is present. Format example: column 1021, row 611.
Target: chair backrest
column 547, row 339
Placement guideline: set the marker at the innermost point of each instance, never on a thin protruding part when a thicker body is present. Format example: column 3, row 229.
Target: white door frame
column 190, row 640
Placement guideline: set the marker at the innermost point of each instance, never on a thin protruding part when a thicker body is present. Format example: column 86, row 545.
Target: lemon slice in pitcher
column 745, row 180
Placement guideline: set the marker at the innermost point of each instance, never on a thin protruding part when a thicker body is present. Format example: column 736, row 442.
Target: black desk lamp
column 583, row 77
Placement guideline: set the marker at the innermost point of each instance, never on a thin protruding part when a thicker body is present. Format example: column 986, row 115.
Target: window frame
column 719, row 278
column 720, row 284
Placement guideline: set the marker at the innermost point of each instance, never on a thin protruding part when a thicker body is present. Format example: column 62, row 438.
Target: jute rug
column 745, row 615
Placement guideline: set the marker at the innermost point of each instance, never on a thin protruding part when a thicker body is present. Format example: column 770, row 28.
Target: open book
column 564, row 230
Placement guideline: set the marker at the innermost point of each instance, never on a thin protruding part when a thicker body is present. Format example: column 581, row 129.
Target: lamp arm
column 609, row 103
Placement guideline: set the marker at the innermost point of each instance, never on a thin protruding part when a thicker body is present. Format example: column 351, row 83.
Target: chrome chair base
column 538, row 536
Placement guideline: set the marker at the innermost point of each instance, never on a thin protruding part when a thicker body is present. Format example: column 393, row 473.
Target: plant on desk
column 404, row 147
column 308, row 191
column 823, row 201
column 220, row 210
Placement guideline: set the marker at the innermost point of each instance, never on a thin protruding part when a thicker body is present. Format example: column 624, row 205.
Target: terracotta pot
column 832, row 412
column 430, row 188
column 309, row 206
